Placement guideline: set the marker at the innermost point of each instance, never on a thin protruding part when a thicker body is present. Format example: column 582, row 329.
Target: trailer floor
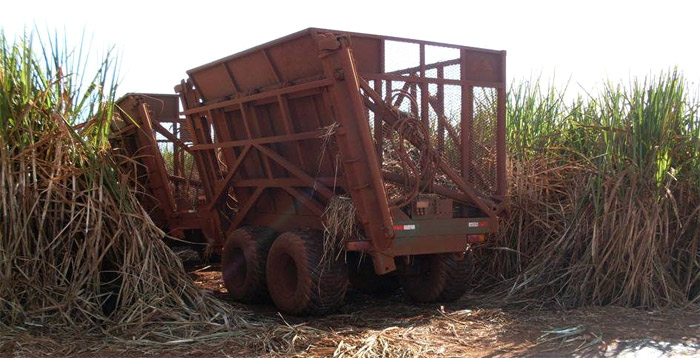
column 472, row 327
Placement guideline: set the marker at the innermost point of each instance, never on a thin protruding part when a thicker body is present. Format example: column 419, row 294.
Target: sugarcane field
column 407, row 179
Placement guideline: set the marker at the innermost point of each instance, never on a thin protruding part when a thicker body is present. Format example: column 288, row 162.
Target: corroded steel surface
column 287, row 125
column 149, row 131
column 413, row 131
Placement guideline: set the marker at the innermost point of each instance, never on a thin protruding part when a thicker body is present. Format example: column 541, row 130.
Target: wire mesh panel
column 452, row 92
column 483, row 144
column 400, row 55
column 442, row 62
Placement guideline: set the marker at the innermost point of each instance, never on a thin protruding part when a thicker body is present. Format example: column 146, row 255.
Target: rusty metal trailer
column 410, row 134
column 152, row 144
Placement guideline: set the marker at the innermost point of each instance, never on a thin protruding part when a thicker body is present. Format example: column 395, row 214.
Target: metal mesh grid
column 441, row 111
column 399, row 55
column 483, row 143
column 449, row 126
column 442, row 62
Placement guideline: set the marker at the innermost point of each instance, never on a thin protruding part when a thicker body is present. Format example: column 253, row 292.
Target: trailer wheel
column 440, row 278
column 299, row 284
column 243, row 263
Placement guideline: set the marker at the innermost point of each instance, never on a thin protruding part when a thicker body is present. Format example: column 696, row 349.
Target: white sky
column 587, row 41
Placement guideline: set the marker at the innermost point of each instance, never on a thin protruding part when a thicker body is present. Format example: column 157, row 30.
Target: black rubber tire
column 243, row 261
column 442, row 278
column 363, row 278
column 298, row 283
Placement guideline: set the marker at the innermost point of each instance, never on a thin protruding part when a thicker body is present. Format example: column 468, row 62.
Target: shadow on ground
column 484, row 326
column 392, row 326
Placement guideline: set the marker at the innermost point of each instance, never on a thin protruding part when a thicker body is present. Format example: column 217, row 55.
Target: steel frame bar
column 255, row 97
column 437, row 189
column 481, row 203
column 262, row 140
column 280, row 182
column 357, row 152
column 467, row 117
column 188, row 99
column 501, row 189
column 223, row 184
column 378, row 125
column 439, row 109
column 243, row 212
column 296, row 171
column 431, row 66
column 424, row 115
column 157, row 179
column 430, row 80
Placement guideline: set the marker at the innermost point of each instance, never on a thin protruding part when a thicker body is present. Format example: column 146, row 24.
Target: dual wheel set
column 258, row 264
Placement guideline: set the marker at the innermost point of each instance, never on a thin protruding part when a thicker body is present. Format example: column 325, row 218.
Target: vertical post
column 382, row 59
column 357, row 152
column 441, row 109
column 501, row 133
column 467, row 120
column 157, row 176
column 378, row 125
column 388, row 92
column 177, row 171
column 424, row 109
column 378, row 120
column 188, row 100
column 414, row 104
column 211, row 223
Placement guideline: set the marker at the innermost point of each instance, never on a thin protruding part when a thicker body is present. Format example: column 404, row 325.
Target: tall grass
column 605, row 195
column 77, row 252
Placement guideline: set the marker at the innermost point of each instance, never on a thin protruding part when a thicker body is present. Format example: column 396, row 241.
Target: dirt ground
column 475, row 326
